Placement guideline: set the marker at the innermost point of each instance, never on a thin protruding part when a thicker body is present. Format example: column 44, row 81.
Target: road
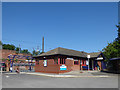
column 34, row 81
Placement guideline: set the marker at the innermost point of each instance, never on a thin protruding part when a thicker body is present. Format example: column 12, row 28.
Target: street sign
column 88, row 56
column 63, row 67
column 100, row 58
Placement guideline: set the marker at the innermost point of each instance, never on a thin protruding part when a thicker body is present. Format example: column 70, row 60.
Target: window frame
column 83, row 62
column 62, row 60
column 77, row 62
column 37, row 62
column 59, row 61
column 55, row 62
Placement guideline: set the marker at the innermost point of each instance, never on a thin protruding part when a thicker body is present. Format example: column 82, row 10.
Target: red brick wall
column 5, row 53
column 76, row 67
column 55, row 68
column 51, row 67
column 69, row 64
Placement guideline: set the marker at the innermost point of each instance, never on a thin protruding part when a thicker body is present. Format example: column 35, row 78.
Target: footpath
column 71, row 74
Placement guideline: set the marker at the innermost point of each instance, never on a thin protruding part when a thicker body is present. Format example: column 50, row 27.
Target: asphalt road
column 34, row 81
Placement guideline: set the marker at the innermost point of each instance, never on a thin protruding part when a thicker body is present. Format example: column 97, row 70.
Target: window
column 56, row 61
column 76, row 62
column 37, row 62
column 83, row 62
column 62, row 60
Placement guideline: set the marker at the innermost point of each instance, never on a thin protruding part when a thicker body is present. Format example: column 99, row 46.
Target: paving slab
column 69, row 74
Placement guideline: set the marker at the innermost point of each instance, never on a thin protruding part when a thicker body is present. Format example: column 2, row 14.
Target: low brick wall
column 76, row 67
column 50, row 68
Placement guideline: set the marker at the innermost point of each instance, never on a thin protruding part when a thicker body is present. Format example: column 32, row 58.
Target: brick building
column 61, row 60
column 17, row 62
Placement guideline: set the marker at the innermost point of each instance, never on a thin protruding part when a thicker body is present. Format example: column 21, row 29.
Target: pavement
column 69, row 74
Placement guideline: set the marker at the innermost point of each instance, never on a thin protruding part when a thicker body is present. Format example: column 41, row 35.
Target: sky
column 81, row 26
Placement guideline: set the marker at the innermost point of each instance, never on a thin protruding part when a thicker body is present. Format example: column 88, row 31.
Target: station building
column 61, row 60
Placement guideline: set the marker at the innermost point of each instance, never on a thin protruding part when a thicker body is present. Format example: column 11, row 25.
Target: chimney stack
column 43, row 44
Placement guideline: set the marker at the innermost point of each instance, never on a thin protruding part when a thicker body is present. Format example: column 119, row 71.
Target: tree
column 35, row 53
column 8, row 47
column 12, row 47
column 112, row 50
column 42, row 52
column 25, row 51
column 18, row 49
column 118, row 37
column 0, row 43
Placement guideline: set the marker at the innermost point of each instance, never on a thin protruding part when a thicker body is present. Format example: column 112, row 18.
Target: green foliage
column 8, row 47
column 25, row 51
column 12, row 47
column 17, row 49
column 35, row 53
column 0, row 43
column 42, row 52
column 22, row 51
column 4, row 59
column 118, row 38
column 16, row 60
column 112, row 50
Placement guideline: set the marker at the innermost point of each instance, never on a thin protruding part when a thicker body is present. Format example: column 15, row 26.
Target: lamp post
column 88, row 56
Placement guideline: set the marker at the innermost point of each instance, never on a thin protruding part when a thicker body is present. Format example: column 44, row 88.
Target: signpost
column 88, row 56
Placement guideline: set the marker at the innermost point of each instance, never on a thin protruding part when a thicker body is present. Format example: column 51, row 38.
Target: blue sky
column 80, row 26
